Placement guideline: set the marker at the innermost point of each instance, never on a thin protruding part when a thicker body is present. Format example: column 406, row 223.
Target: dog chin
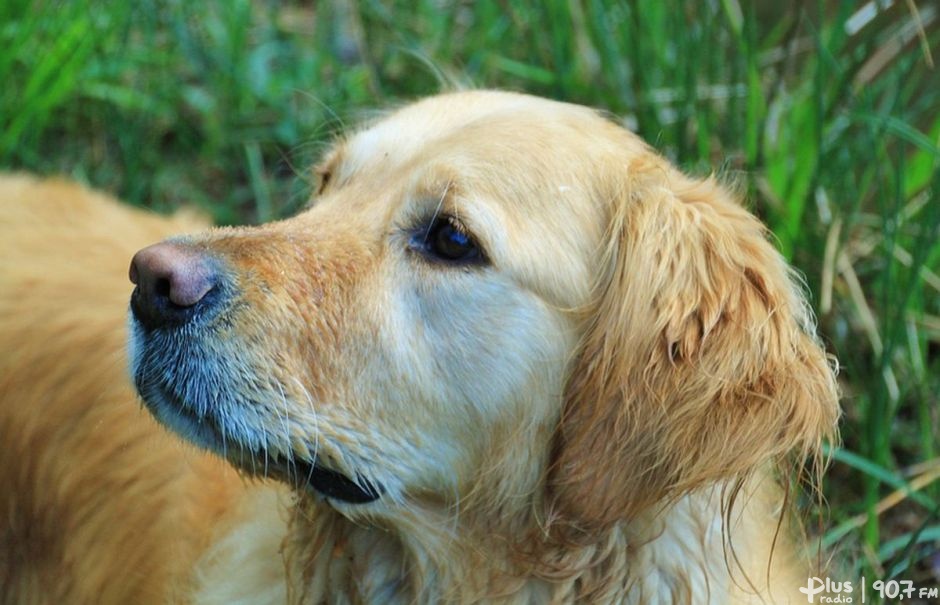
column 176, row 415
column 248, row 449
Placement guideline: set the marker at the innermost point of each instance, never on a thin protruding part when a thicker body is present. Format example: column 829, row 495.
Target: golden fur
column 602, row 410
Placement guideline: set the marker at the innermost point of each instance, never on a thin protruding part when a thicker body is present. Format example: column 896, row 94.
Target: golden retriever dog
column 508, row 354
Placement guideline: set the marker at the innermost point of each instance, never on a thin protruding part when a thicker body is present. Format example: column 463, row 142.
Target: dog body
column 507, row 355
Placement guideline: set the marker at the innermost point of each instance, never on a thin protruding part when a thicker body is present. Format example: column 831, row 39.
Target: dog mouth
column 331, row 484
column 300, row 473
column 196, row 381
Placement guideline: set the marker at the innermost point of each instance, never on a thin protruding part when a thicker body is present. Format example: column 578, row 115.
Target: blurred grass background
column 826, row 112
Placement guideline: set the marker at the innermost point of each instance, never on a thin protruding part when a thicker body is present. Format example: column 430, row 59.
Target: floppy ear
column 699, row 363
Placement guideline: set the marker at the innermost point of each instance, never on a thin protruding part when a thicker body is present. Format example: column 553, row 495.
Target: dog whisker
column 437, row 212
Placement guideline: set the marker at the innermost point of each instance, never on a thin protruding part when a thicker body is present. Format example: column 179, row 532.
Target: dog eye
column 448, row 240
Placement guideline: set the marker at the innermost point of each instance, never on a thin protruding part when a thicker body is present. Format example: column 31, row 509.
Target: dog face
column 491, row 297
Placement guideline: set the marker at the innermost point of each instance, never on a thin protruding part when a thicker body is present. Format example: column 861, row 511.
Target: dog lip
column 297, row 472
column 333, row 484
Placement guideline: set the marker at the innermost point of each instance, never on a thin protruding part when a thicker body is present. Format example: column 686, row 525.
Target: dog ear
column 699, row 362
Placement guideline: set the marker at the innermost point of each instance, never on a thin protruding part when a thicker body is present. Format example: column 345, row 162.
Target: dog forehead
column 505, row 119
column 531, row 172
column 518, row 148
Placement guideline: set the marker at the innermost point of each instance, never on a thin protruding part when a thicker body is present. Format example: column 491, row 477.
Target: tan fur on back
column 98, row 503
column 602, row 409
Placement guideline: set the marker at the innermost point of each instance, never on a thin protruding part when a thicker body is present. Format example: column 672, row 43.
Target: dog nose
column 172, row 280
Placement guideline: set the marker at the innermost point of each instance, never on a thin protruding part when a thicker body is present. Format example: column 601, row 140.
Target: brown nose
column 172, row 280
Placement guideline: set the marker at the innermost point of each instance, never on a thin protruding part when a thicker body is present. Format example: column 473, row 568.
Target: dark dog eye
column 448, row 240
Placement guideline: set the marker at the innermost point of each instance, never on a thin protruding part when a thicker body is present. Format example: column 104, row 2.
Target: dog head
column 492, row 299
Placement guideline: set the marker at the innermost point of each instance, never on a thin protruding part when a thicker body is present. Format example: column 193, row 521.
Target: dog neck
column 418, row 556
column 423, row 557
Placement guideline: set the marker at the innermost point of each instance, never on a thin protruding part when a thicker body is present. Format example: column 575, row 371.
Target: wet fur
column 605, row 411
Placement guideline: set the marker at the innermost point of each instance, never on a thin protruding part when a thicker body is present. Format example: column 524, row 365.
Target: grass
column 826, row 113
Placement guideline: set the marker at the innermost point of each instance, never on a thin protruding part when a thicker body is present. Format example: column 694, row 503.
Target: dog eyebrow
column 437, row 211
